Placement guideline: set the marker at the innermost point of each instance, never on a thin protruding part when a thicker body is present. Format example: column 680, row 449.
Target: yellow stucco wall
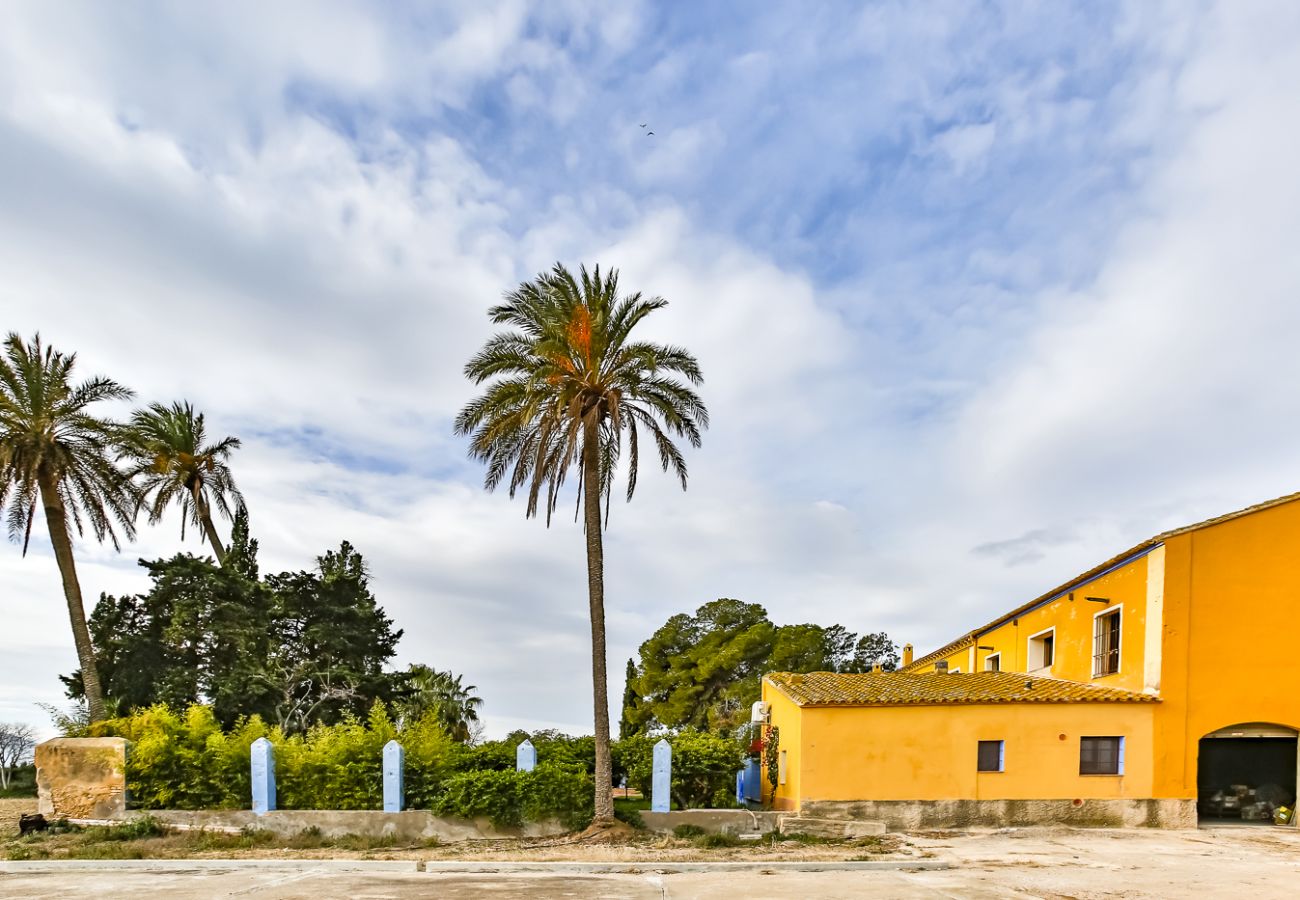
column 929, row 752
column 1072, row 616
column 1230, row 632
column 786, row 716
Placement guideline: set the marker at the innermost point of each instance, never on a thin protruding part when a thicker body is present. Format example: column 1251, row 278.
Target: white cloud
column 249, row 218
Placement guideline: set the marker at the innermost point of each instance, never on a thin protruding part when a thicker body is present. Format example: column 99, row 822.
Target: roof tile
column 929, row 688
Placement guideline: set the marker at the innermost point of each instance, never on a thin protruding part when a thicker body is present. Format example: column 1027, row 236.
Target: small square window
column 993, row 663
column 990, row 756
column 1101, row 756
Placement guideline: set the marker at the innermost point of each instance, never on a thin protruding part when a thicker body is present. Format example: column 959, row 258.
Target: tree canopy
column 295, row 647
column 702, row 670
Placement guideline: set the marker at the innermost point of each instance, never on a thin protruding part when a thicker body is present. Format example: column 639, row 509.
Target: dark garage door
column 1245, row 772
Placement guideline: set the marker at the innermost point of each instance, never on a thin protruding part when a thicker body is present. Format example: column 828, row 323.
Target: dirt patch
column 137, row 840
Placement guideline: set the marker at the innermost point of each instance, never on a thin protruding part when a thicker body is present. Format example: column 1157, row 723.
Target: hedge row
column 186, row 761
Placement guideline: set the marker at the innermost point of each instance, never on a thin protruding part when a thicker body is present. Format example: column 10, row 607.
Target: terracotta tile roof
column 929, row 688
column 1115, row 561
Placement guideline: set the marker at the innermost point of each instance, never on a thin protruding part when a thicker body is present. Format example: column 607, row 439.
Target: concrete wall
column 412, row 825
column 81, row 778
column 724, row 821
column 904, row 815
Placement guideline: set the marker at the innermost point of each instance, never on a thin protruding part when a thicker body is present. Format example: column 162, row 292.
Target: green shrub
column 704, row 767
column 510, row 798
column 630, row 815
column 186, row 761
column 132, row 830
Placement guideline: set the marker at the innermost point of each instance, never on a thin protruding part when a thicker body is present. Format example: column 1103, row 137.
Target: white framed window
column 780, row 767
column 993, row 662
column 1041, row 652
column 1106, row 638
column 1101, row 755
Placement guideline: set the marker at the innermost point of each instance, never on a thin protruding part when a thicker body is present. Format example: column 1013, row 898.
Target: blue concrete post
column 525, row 756
column 662, row 777
column 394, row 776
column 263, row 764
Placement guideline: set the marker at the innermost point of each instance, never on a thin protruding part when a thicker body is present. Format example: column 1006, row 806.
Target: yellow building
column 1162, row 677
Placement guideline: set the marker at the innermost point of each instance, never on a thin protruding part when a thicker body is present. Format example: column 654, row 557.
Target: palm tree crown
column 442, row 694
column 47, row 437
column 570, row 366
column 55, row 452
column 173, row 462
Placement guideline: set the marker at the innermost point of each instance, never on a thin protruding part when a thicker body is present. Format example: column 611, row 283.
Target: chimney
column 907, row 654
column 878, row 667
column 941, row 667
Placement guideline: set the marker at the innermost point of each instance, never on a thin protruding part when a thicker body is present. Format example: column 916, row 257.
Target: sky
column 983, row 293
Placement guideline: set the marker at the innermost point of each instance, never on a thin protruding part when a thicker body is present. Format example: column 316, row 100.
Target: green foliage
column 172, row 463
column 510, row 798
column 426, row 691
column 772, row 756
column 22, row 783
column 186, row 761
column 630, row 722
column 625, row 812
column 133, row 830
column 704, row 767
column 297, row 648
column 703, row 670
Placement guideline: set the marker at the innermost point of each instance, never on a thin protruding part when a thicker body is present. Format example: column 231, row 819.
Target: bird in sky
column 643, row 124
column 648, row 133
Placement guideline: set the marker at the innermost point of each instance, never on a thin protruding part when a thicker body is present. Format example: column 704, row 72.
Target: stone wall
column 81, row 778
column 912, row 815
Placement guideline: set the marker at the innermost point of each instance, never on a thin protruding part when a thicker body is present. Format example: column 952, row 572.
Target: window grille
column 1105, row 644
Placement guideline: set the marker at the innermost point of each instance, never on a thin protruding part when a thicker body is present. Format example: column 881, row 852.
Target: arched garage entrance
column 1245, row 771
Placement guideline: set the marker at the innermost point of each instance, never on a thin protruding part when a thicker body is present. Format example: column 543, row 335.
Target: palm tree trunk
column 596, row 598
column 205, row 516
column 57, row 519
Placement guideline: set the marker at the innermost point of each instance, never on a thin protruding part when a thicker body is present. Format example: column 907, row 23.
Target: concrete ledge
column 633, row 867
column 831, row 828
column 916, row 815
column 723, row 821
column 40, row 866
column 411, row 825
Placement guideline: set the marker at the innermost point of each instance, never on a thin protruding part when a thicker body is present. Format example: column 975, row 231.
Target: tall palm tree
column 52, row 449
column 453, row 703
column 173, row 463
column 568, row 385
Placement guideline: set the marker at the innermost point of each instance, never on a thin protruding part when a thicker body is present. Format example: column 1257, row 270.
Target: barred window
column 1105, row 644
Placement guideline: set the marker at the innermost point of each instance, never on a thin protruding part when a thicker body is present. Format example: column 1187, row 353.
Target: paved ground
column 1049, row 863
